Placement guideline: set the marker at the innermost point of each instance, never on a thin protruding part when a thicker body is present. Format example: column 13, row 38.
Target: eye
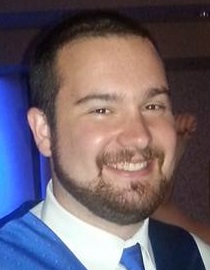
column 101, row 111
column 155, row 107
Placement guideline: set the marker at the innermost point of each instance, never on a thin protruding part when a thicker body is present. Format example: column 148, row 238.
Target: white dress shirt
column 95, row 248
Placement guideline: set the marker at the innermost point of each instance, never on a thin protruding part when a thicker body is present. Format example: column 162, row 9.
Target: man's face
column 114, row 143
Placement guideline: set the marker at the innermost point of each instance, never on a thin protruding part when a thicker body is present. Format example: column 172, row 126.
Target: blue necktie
column 132, row 258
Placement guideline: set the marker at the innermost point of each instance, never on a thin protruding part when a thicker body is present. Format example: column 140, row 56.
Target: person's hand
column 185, row 124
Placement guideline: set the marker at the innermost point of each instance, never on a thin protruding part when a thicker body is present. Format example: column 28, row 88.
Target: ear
column 40, row 129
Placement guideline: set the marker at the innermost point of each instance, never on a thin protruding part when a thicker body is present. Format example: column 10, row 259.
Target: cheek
column 82, row 143
column 90, row 137
column 168, row 142
column 169, row 137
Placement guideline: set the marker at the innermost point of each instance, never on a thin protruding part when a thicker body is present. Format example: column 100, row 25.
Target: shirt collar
column 92, row 246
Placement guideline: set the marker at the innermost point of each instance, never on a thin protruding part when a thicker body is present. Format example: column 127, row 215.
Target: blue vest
column 27, row 243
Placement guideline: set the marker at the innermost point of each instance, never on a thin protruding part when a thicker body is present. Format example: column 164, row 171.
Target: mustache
column 126, row 155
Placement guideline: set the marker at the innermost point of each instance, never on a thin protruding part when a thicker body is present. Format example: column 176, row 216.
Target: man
column 101, row 112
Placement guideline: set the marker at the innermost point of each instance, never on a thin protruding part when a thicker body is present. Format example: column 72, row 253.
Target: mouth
column 129, row 166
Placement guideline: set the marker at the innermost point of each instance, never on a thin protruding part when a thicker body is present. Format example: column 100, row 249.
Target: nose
column 135, row 132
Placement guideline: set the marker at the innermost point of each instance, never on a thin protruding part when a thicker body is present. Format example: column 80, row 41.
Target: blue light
column 16, row 155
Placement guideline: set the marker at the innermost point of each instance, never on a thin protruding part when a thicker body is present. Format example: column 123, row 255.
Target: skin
column 112, row 99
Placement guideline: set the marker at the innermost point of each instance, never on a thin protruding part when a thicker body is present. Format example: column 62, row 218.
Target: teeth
column 130, row 167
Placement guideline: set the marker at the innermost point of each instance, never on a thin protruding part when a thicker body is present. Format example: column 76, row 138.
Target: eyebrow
column 116, row 97
column 103, row 97
column 158, row 91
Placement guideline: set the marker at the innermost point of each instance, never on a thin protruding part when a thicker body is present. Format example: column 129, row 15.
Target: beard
column 112, row 203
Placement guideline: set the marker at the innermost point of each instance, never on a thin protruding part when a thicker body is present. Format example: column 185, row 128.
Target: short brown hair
column 44, row 82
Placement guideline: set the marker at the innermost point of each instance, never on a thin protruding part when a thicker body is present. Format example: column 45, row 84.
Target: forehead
column 112, row 60
column 97, row 49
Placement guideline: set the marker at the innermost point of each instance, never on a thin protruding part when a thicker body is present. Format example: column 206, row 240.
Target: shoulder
column 16, row 229
column 27, row 243
column 158, row 228
column 171, row 238
column 204, row 250
column 177, row 245
column 22, row 228
column 19, row 212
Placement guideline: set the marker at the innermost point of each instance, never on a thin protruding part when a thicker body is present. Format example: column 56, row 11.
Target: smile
column 129, row 167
